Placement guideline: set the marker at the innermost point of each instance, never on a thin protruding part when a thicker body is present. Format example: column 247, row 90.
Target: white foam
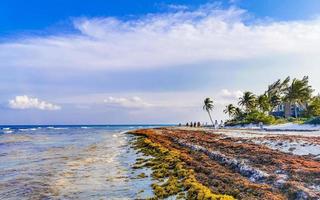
column 8, row 131
column 56, row 128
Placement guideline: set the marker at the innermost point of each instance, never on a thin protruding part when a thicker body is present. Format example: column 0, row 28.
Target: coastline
column 241, row 167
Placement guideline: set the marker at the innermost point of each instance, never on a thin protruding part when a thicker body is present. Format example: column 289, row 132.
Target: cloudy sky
column 126, row 62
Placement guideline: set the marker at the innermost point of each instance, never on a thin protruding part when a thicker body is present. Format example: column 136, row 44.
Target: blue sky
column 18, row 16
column 98, row 62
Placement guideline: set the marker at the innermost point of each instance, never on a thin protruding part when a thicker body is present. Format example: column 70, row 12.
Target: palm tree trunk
column 210, row 118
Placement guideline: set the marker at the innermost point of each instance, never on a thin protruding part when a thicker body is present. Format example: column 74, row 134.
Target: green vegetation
column 142, row 175
column 313, row 109
column 295, row 97
column 313, row 121
column 248, row 101
column 171, row 176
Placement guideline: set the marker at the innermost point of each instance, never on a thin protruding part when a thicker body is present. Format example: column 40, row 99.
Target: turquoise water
column 69, row 162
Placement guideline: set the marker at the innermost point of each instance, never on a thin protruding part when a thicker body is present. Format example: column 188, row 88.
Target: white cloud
column 131, row 102
column 25, row 102
column 178, row 38
column 258, row 52
column 177, row 7
column 231, row 95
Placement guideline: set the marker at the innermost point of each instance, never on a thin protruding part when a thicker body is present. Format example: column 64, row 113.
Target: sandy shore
column 246, row 164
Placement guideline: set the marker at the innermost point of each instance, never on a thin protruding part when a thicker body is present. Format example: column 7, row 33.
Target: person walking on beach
column 216, row 125
column 221, row 124
column 261, row 125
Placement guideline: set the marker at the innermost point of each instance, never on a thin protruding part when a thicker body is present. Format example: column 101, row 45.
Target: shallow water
column 76, row 162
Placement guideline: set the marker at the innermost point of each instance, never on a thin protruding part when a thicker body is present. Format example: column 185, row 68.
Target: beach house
column 286, row 110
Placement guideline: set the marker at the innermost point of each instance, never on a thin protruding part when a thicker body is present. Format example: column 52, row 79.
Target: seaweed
column 170, row 175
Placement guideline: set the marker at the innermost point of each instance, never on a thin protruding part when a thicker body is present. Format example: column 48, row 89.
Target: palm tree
column 314, row 107
column 208, row 106
column 248, row 101
column 263, row 103
column 275, row 100
column 298, row 93
column 238, row 113
column 230, row 110
column 276, row 91
column 277, row 88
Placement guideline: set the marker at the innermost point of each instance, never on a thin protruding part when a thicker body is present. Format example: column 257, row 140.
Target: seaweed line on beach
column 171, row 177
column 240, row 168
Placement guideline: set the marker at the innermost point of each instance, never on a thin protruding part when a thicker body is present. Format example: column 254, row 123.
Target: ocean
column 70, row 162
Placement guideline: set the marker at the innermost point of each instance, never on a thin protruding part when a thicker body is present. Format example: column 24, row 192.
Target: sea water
column 69, row 162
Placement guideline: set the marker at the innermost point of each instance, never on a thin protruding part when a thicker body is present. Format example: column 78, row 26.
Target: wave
column 59, row 128
column 8, row 131
column 27, row 129
column 56, row 128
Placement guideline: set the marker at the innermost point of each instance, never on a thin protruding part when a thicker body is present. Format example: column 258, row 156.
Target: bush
column 256, row 117
column 253, row 117
column 297, row 120
column 314, row 121
column 281, row 121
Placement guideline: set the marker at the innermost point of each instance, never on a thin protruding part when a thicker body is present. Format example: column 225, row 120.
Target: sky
column 137, row 62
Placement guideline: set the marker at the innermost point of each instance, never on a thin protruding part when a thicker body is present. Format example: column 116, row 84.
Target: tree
column 230, row 110
column 314, row 107
column 263, row 103
column 277, row 88
column 276, row 91
column 238, row 113
column 275, row 100
column 208, row 106
column 248, row 101
column 298, row 93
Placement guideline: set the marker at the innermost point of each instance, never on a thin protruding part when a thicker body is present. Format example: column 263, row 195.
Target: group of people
column 194, row 124
column 198, row 124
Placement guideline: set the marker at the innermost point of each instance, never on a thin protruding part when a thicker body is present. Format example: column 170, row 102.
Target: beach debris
column 244, row 169
column 171, row 176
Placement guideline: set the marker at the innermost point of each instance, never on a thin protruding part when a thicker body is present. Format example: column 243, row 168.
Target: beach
column 157, row 162
column 246, row 164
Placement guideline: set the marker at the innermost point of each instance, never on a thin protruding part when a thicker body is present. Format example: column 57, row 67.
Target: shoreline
column 238, row 166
